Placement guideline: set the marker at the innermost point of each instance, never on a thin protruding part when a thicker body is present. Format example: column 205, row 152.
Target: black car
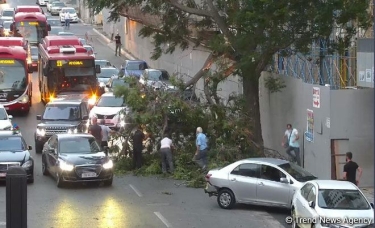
column 72, row 158
column 34, row 57
column 64, row 114
column 15, row 152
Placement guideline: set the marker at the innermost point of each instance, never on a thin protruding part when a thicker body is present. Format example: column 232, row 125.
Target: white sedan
column 5, row 119
column 331, row 204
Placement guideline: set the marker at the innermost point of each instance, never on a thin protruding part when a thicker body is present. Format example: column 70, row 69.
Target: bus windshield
column 12, row 75
column 75, row 79
column 31, row 31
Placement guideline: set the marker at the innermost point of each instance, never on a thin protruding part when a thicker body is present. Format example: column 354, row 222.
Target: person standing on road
column 67, row 19
column 138, row 138
column 350, row 170
column 200, row 156
column 290, row 142
column 118, row 44
column 106, row 131
column 166, row 147
column 96, row 130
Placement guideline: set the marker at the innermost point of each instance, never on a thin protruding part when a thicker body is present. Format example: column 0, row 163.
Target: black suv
column 64, row 114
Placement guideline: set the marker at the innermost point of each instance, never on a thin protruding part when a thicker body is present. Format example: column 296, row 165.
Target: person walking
column 138, row 138
column 290, row 142
column 67, row 19
column 200, row 156
column 118, row 44
column 350, row 170
column 96, row 130
column 106, row 132
column 166, row 147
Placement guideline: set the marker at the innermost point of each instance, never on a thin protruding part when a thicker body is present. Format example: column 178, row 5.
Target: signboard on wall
column 365, row 62
column 309, row 134
column 316, row 97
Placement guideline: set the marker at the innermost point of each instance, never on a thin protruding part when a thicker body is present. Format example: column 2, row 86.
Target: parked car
column 260, row 181
column 90, row 50
column 331, row 203
column 104, row 63
column 15, row 152
column 133, row 68
column 156, row 78
column 72, row 12
column 56, row 30
column 76, row 158
column 56, row 8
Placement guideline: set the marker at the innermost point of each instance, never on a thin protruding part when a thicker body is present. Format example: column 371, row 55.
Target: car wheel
column 108, row 182
column 294, row 224
column 59, row 183
column 226, row 199
column 44, row 167
column 38, row 148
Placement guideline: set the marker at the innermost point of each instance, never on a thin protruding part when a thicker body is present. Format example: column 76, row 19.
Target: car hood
column 4, row 124
column 350, row 214
column 136, row 73
column 106, row 110
column 51, row 123
column 19, row 156
column 84, row 159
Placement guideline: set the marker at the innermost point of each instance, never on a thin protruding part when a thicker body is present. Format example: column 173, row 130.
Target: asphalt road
column 131, row 202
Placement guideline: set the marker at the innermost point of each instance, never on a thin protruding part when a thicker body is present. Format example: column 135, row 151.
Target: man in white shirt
column 106, row 131
column 166, row 147
column 290, row 142
column 67, row 19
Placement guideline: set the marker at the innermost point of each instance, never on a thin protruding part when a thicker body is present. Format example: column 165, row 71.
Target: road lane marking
column 136, row 190
column 164, row 220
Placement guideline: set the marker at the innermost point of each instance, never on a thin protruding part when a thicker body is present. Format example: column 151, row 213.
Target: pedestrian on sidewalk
column 290, row 142
column 96, row 130
column 118, row 44
column 200, row 156
column 350, row 170
column 138, row 138
column 106, row 132
column 166, row 147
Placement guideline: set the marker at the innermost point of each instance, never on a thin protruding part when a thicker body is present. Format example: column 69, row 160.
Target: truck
column 15, row 79
column 65, row 67
column 30, row 25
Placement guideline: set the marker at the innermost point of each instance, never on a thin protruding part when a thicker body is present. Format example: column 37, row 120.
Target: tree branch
column 189, row 10
column 207, row 92
column 219, row 20
column 206, row 66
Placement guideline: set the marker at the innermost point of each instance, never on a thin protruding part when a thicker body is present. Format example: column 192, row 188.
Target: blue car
column 133, row 68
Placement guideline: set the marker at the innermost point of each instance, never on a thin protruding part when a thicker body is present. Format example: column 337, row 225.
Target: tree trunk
column 251, row 95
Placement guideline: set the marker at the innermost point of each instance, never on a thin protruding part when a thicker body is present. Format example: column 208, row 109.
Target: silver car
column 259, row 181
column 331, row 204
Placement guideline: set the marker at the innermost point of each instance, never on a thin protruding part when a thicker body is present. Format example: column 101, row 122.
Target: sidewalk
column 369, row 193
column 111, row 44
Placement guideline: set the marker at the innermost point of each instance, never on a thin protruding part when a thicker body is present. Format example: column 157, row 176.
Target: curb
column 106, row 39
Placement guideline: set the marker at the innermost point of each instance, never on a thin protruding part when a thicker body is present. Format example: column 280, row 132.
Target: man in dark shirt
column 350, row 170
column 138, row 138
column 96, row 130
column 118, row 44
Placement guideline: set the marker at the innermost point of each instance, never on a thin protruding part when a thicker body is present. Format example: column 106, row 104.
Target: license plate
column 108, row 121
column 3, row 174
column 88, row 175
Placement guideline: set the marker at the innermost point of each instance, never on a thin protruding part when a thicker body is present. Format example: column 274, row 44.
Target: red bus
column 31, row 26
column 28, row 9
column 66, row 69
column 15, row 79
column 17, row 41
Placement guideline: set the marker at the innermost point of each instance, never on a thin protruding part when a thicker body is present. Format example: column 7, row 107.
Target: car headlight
column 65, row 166
column 27, row 164
column 24, row 99
column 8, row 128
column 92, row 100
column 40, row 132
column 108, row 165
column 72, row 131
